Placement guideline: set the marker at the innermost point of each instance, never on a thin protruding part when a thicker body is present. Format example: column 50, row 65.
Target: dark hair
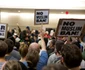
column 28, row 27
column 10, row 45
column 36, row 32
column 69, row 39
column 78, row 44
column 32, row 58
column 46, row 41
column 58, row 45
column 3, row 48
column 12, row 65
column 13, row 39
column 17, row 45
column 53, row 42
column 71, row 55
column 51, row 67
column 13, row 31
column 35, row 35
column 23, row 49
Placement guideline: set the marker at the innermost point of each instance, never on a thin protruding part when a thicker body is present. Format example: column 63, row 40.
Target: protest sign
column 3, row 31
column 41, row 17
column 70, row 27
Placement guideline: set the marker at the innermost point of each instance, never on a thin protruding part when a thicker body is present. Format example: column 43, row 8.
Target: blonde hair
column 12, row 65
column 23, row 49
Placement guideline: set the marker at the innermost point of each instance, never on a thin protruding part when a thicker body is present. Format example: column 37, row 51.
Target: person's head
column 35, row 46
column 78, row 44
column 71, row 55
column 3, row 48
column 52, row 43
column 46, row 41
column 69, row 40
column 51, row 67
column 17, row 45
column 27, row 28
column 32, row 58
column 36, row 32
column 58, row 46
column 15, row 35
column 13, row 31
column 59, row 38
column 35, row 37
column 23, row 50
column 10, row 44
column 13, row 39
column 12, row 65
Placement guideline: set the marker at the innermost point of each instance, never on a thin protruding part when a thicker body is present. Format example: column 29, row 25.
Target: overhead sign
column 3, row 31
column 41, row 17
column 70, row 27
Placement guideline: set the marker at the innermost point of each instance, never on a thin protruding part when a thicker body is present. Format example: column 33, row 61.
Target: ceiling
column 43, row 4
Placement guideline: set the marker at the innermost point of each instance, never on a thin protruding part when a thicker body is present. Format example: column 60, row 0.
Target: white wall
column 27, row 19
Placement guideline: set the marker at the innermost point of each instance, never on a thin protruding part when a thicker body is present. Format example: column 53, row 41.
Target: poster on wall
column 41, row 17
column 70, row 27
column 3, row 31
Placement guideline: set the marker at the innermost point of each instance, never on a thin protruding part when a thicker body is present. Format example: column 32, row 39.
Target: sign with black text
column 41, row 17
column 3, row 31
column 70, row 27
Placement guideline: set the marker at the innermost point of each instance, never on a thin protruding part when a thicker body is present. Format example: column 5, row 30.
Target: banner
column 3, row 31
column 41, row 17
column 70, row 27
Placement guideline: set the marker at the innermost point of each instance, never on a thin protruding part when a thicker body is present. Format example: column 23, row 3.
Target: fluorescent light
column 62, row 12
column 22, row 15
column 4, row 15
column 19, row 11
column 26, row 15
column 7, row 14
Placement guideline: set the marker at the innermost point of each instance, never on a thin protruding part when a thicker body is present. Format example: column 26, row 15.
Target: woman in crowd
column 23, row 51
column 32, row 59
column 11, row 65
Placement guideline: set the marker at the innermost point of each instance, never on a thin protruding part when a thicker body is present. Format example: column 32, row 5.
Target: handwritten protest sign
column 3, row 31
column 70, row 27
column 41, row 17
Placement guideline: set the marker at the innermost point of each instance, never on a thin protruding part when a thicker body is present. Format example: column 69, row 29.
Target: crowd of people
column 41, row 50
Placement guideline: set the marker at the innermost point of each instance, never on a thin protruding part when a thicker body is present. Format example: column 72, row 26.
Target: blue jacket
column 42, row 60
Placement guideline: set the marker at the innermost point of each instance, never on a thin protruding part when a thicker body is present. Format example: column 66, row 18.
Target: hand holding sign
column 42, row 31
column 43, row 46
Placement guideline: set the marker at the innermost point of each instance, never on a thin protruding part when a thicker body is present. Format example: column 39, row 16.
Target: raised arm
column 42, row 39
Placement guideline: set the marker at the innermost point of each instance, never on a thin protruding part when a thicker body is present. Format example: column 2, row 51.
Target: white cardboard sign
column 41, row 17
column 3, row 31
column 70, row 27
